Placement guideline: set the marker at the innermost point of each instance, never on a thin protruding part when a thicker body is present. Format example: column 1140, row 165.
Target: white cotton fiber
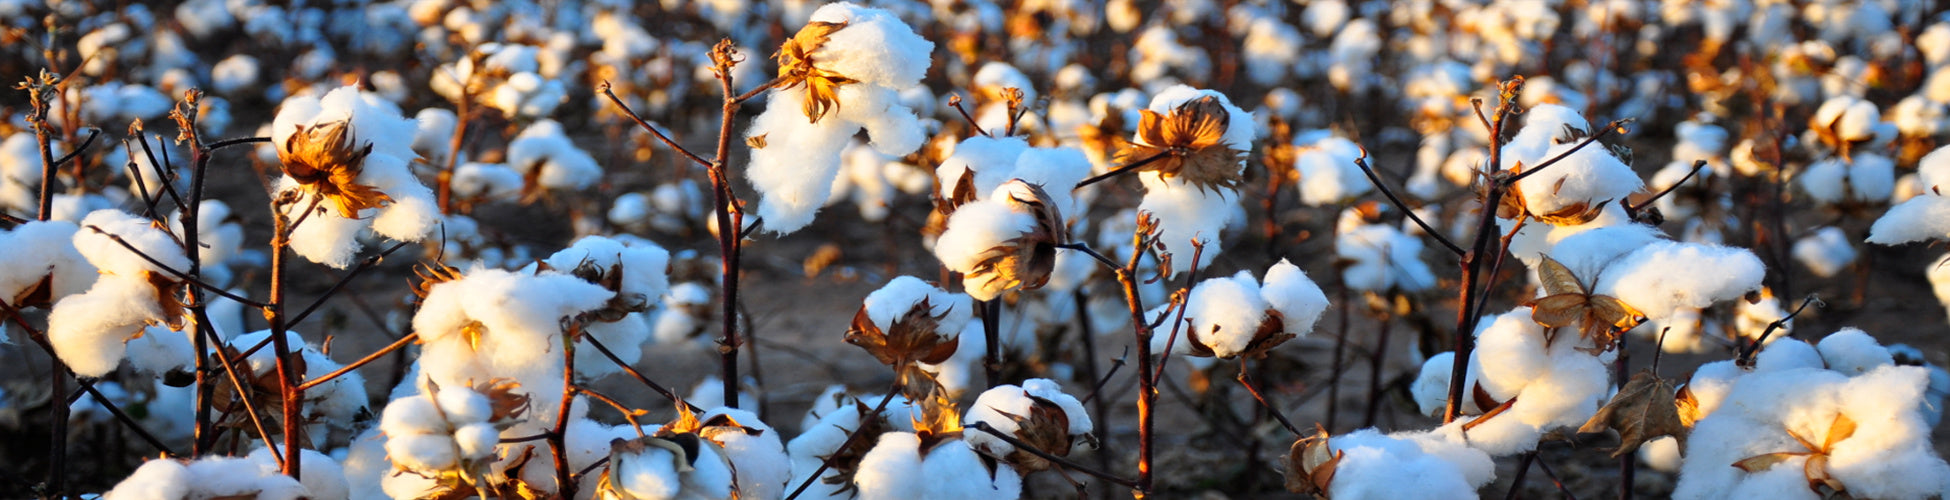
column 1586, row 178
column 89, row 330
column 1296, row 297
column 973, row 230
column 1328, row 174
column 156, row 479
column 1852, row 352
column 1224, row 314
column 37, row 250
column 992, row 159
column 113, row 258
column 892, row 469
column 954, row 471
column 1924, row 217
column 1664, row 276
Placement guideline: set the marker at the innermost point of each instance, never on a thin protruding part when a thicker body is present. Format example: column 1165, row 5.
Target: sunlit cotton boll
column 1825, row 251
column 544, row 152
column 796, row 142
column 302, row 131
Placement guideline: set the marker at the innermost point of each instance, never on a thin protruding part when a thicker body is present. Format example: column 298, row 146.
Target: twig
column 557, row 438
column 679, row 148
column 1124, row 168
column 1065, row 463
column 955, row 100
column 1609, row 128
column 1246, row 379
column 851, row 437
column 1746, row 357
column 1114, row 366
column 637, row 374
column 1403, row 206
column 1523, row 469
column 340, row 285
column 1376, row 360
column 1088, row 333
column 403, row 341
column 1546, row 466
column 992, row 333
column 1633, row 210
column 628, row 414
column 730, row 222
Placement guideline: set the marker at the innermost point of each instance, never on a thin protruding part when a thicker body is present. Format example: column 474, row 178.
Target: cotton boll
column 954, row 471
column 1664, row 276
column 1826, row 251
column 323, row 478
column 1185, row 214
column 1661, row 454
column 874, row 48
column 972, row 231
column 156, row 479
column 892, row 470
column 891, row 302
column 1296, row 297
column 434, row 133
column 43, row 250
column 1378, row 466
column 545, row 152
column 797, row 163
column 1852, row 352
column 423, row 452
column 1584, row 178
column 1225, row 314
column 1328, row 174
column 487, row 181
column 1924, row 217
column 759, row 459
column 1790, row 354
column 234, row 74
column 993, row 161
column 1431, row 386
column 161, row 350
column 90, row 330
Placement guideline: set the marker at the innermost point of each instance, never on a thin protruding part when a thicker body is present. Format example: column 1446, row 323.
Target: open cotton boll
column 992, row 159
column 1587, row 253
column 1664, row 276
column 643, row 267
column 1544, row 126
column 1328, row 174
column 544, row 152
column 161, row 350
column 112, row 258
column 875, row 47
column 1924, row 217
column 1377, row 466
column 1584, row 178
column 324, row 237
column 1826, row 251
column 972, row 231
column 220, row 236
column 954, row 471
column 40, row 250
column 1186, row 213
column 1296, row 297
column 488, row 181
column 90, row 330
column 892, row 469
column 434, row 132
column 798, row 163
column 1057, row 170
column 1431, row 386
column 156, row 479
column 904, row 293
column 323, row 478
column 1790, row 354
column 1382, row 256
column 1224, row 314
column 218, row 477
column 1852, row 352
column 233, row 74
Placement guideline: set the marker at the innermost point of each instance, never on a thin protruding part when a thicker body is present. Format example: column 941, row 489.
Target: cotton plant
column 450, row 434
column 485, row 324
column 1235, row 316
column 347, row 154
column 933, row 461
column 1381, row 257
column 1434, row 464
column 841, row 73
column 1196, row 144
column 330, row 404
column 908, row 324
column 1921, row 217
column 1037, row 413
column 637, row 274
column 1810, row 421
column 1006, row 241
column 90, row 330
column 721, row 454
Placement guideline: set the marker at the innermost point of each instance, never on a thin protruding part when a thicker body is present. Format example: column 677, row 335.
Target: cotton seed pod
column 1189, row 143
column 1310, row 464
column 915, row 337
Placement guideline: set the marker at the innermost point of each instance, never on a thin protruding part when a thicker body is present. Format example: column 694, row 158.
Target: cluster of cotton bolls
column 253, row 476
column 846, row 68
column 1228, row 317
column 1194, row 198
column 1841, row 415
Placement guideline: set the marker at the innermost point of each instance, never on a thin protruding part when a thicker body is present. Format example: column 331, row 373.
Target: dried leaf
column 1758, row 463
column 1643, row 410
column 913, row 337
column 1841, row 429
column 1569, row 301
column 1688, row 406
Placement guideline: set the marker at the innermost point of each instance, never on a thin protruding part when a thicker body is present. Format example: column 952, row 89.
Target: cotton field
column 974, row 249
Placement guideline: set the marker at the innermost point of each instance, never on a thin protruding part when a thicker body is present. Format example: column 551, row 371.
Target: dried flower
column 796, row 67
column 328, row 158
column 1024, row 261
column 1189, row 144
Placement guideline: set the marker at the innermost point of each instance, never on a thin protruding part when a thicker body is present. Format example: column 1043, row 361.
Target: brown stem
column 1181, row 302
column 1098, row 407
column 565, row 485
column 992, row 332
column 679, row 148
column 730, row 225
column 403, row 341
column 637, row 374
column 1376, row 360
column 628, row 414
column 1147, row 390
column 1124, row 168
column 1340, row 354
column 463, row 114
column 293, row 396
column 1403, row 206
column 1246, row 379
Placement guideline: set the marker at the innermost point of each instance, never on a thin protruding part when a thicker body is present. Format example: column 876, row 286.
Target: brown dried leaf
column 1688, row 406
column 1758, row 463
column 1568, row 301
column 1643, row 410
